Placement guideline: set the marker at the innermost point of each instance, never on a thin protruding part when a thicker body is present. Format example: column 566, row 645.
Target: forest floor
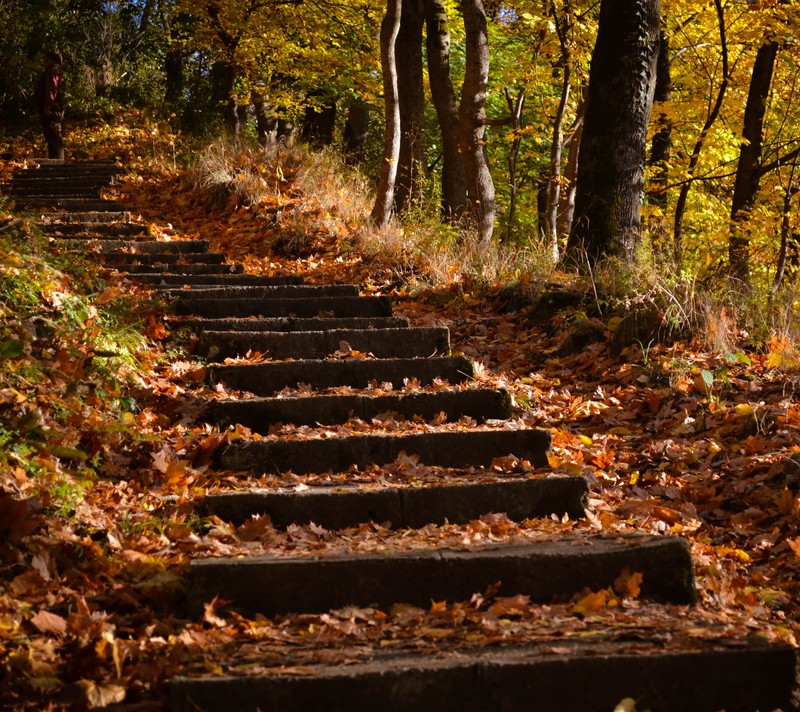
column 672, row 438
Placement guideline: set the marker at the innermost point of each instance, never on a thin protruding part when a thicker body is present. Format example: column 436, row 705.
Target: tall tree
column 620, row 95
column 748, row 169
column 472, row 121
column 382, row 209
column 411, row 95
column 454, row 180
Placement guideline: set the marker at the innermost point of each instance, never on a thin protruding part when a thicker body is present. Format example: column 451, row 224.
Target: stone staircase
column 329, row 336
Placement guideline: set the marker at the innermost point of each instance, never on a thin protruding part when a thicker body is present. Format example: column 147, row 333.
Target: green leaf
column 11, row 348
column 708, row 378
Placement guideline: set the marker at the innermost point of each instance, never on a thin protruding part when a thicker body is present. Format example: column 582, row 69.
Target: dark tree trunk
column 472, row 120
column 173, row 71
column 356, row 128
column 411, row 95
column 265, row 121
column 224, row 84
column 382, row 209
column 748, row 170
column 566, row 209
column 611, row 172
column 454, row 181
column 319, row 123
column 661, row 145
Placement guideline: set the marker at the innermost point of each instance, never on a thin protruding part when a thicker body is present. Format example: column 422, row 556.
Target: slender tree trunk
column 382, row 210
column 411, row 95
column 556, row 155
column 454, row 181
column 784, row 258
column 683, row 195
column 173, row 72
column 748, row 169
column 472, row 120
column 515, row 107
column 566, row 210
column 611, row 171
column 661, row 148
column 265, row 123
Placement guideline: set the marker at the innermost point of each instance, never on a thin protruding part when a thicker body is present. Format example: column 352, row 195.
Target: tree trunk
column 608, row 201
column 515, row 107
column 556, row 154
column 319, row 122
column 661, row 148
column 683, row 195
column 748, row 173
column 356, row 128
column 472, row 120
column 382, row 210
column 173, row 71
column 566, row 210
column 411, row 95
column 454, row 180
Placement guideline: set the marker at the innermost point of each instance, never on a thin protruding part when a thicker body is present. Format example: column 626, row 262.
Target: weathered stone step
column 75, row 205
column 163, row 257
column 381, row 343
column 544, row 570
column 291, row 291
column 259, row 414
column 144, row 245
column 160, row 274
column 592, row 675
column 268, row 378
column 404, row 507
column 92, row 230
column 195, row 277
column 99, row 172
column 339, row 453
column 100, row 218
column 299, row 307
column 291, row 324
column 47, row 190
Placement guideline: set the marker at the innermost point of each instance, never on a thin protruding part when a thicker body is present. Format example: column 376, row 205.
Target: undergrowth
column 72, row 351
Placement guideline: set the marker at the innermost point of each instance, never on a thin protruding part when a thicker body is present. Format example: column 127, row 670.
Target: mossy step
column 545, row 571
column 260, row 413
column 462, row 448
column 593, row 675
column 269, row 378
column 403, row 507
column 381, row 343
column 297, row 307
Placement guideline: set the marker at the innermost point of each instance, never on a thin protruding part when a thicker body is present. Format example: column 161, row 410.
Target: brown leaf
column 100, row 695
column 46, row 622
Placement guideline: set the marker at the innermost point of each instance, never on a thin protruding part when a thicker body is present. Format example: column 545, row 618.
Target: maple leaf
column 627, row 584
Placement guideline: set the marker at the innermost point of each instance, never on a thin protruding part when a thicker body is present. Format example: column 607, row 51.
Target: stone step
column 381, row 343
column 47, row 191
column 404, row 507
column 261, row 413
column 592, row 675
column 268, row 378
column 465, row 448
column 298, row 307
column 544, row 570
column 97, row 229
column 142, row 246
column 290, row 323
column 194, row 277
column 74, row 205
column 96, row 218
column 168, row 258
column 46, row 172
column 296, row 291
column 161, row 274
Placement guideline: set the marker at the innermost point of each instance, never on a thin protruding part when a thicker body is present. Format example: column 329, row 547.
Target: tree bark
column 566, row 210
column 411, row 95
column 472, row 121
column 611, row 172
column 748, row 169
column 319, row 122
column 454, row 181
column 382, row 210
column 356, row 128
